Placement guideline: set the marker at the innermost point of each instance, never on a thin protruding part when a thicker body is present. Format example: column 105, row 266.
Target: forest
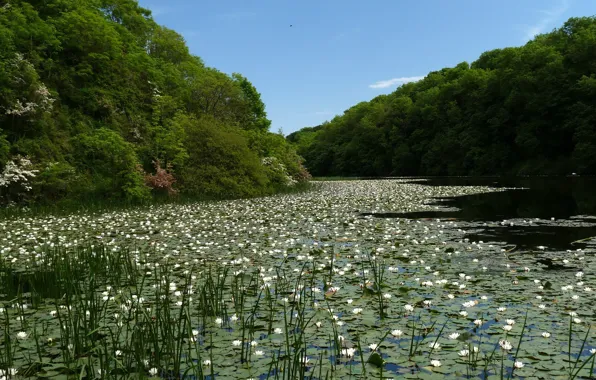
column 528, row 110
column 99, row 102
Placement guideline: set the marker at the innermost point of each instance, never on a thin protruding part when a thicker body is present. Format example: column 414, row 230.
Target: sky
column 313, row 59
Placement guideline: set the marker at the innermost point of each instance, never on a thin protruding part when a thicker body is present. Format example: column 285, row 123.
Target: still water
column 547, row 213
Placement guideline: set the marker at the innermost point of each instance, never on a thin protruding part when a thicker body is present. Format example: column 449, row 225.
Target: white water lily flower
column 478, row 322
column 507, row 327
column 153, row 371
column 259, row 353
column 22, row 335
column 435, row 363
column 510, row 322
column 505, row 345
column 236, row 343
column 518, row 364
column 546, row 334
column 348, row 352
column 277, row 330
column 435, row 345
column 206, row 362
column 397, row 333
column 409, row 308
column 465, row 352
column 373, row 346
column 454, row 335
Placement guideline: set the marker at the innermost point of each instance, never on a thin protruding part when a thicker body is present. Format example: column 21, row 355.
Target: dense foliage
column 524, row 110
column 97, row 101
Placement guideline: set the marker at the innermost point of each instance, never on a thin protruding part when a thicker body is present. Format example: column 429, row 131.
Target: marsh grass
column 148, row 324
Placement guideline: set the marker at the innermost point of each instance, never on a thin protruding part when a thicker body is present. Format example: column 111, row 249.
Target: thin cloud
column 550, row 16
column 395, row 81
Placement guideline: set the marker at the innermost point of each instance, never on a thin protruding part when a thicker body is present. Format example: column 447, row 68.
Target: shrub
column 15, row 180
column 111, row 164
column 223, row 165
column 162, row 180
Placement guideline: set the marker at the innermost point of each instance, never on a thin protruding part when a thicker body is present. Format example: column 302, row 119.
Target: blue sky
column 341, row 52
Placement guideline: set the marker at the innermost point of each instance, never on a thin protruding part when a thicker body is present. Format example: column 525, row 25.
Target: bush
column 15, row 180
column 111, row 164
column 162, row 181
column 55, row 182
column 223, row 165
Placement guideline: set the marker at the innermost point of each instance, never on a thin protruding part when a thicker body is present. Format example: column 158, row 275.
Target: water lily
column 348, row 352
column 505, row 345
column 397, row 333
column 435, row 363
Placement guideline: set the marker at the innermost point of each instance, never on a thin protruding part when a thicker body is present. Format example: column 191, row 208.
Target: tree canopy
column 97, row 98
column 528, row 110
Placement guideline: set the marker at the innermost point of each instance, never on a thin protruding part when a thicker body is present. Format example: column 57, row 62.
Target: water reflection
column 557, row 213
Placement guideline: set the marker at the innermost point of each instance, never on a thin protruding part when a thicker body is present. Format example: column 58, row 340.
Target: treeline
column 528, row 110
column 97, row 102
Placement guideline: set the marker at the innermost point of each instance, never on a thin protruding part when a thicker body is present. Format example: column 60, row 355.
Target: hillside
column 527, row 110
column 98, row 102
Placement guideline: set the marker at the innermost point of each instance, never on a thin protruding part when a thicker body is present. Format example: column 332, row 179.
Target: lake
column 443, row 278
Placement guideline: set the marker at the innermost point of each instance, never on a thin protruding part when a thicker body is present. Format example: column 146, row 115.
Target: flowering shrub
column 15, row 179
column 163, row 179
column 36, row 96
column 278, row 174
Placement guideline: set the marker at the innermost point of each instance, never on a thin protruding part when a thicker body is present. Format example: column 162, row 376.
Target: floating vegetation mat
column 288, row 287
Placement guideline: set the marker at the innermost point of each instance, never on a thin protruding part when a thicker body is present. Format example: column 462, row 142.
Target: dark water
column 571, row 201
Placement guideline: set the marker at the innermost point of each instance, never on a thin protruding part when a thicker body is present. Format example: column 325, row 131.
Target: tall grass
column 93, row 311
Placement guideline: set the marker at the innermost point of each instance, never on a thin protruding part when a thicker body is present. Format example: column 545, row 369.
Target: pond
column 522, row 214
column 354, row 279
